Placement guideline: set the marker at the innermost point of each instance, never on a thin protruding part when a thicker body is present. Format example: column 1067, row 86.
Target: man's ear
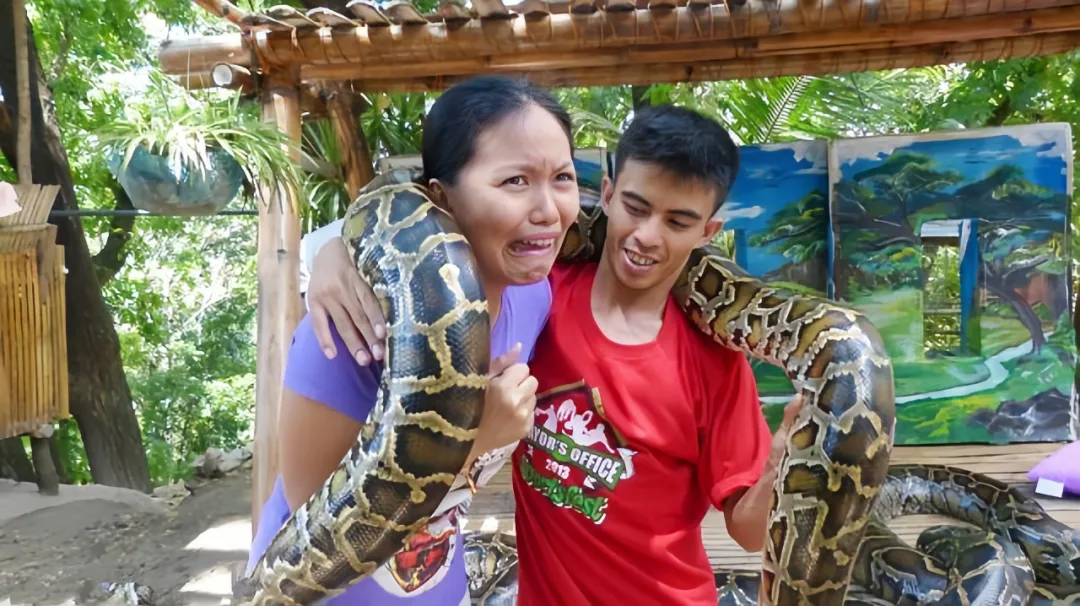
column 712, row 227
column 607, row 191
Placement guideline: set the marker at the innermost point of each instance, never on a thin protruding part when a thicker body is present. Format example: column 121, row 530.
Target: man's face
column 655, row 220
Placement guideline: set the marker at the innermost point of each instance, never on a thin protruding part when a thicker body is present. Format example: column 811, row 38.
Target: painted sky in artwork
column 1039, row 150
column 771, row 177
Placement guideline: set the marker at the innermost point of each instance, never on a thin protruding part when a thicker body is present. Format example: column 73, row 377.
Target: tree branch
column 110, row 259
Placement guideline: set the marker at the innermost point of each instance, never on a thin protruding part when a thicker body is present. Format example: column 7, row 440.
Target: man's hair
column 684, row 143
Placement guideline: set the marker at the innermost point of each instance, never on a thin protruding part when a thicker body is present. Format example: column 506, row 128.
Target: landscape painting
column 956, row 246
column 776, row 228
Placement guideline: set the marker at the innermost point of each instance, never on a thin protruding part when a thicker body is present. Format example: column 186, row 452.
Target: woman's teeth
column 534, row 245
column 637, row 259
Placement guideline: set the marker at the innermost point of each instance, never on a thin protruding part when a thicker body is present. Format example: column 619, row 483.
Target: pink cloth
column 1062, row 466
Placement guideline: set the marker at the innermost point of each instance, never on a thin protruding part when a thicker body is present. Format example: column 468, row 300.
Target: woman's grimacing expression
column 516, row 197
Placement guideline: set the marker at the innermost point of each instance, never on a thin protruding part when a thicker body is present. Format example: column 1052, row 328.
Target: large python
column 431, row 397
column 1014, row 554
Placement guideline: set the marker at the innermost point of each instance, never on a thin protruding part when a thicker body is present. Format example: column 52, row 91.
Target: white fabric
column 310, row 245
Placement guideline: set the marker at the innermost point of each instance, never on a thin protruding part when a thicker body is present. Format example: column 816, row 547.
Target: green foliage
column 186, row 129
column 185, row 308
column 797, row 230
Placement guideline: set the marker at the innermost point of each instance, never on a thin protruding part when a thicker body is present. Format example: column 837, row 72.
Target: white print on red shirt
column 573, row 456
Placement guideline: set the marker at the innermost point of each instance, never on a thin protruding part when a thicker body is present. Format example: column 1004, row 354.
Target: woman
column 497, row 156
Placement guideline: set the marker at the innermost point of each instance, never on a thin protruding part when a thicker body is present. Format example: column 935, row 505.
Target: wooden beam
column 503, row 40
column 233, row 77
column 356, row 157
column 810, row 64
column 187, row 55
column 278, row 267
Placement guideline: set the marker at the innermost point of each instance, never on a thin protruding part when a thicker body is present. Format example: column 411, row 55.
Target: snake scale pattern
column 1011, row 553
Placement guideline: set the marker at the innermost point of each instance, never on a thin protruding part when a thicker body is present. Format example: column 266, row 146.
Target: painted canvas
column 776, row 228
column 956, row 246
column 590, row 165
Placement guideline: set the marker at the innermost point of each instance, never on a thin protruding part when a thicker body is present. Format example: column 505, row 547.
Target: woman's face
column 517, row 197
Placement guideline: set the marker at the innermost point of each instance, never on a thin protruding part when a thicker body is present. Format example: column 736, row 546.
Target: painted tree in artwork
column 798, row 230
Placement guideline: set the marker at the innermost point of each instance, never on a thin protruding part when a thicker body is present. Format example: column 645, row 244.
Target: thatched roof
column 393, row 46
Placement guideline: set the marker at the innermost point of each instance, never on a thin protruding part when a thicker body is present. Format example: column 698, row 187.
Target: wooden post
column 22, row 79
column 356, row 157
column 279, row 297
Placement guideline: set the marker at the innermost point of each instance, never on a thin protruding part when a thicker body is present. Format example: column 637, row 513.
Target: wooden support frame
column 279, row 310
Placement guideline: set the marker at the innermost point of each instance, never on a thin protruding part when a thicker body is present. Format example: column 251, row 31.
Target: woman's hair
column 462, row 113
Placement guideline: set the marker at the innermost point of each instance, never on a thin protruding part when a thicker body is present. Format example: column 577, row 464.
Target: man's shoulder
column 701, row 347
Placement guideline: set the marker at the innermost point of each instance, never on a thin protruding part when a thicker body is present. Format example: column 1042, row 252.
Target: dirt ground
column 60, row 554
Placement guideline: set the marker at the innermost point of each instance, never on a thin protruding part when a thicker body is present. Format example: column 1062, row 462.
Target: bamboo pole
column 199, row 55
column 22, row 79
column 812, row 64
column 356, row 157
column 278, row 267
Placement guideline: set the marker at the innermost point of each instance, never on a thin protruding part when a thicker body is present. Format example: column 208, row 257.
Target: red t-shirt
column 631, row 445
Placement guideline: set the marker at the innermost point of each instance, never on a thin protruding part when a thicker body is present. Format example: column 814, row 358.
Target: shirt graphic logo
column 572, row 454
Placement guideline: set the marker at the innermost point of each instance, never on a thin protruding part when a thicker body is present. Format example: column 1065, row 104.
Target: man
column 641, row 421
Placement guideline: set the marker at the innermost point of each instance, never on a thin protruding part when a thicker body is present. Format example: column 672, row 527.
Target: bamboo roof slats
column 455, row 11
column 329, row 18
column 604, row 42
column 491, row 9
column 402, row 12
column 368, row 13
column 617, row 72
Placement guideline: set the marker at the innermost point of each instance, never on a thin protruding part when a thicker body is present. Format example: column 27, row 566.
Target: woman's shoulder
column 339, row 382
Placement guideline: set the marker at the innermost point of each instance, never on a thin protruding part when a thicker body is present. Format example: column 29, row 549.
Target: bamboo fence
column 33, row 321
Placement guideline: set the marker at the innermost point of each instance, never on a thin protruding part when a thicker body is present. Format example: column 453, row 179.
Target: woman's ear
column 437, row 193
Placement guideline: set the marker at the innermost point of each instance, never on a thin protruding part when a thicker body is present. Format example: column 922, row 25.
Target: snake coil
column 431, row 398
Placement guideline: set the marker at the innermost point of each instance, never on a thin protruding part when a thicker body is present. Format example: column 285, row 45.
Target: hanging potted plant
column 191, row 156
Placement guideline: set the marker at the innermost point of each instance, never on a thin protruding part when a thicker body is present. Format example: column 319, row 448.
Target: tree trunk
column 996, row 285
column 100, row 397
column 637, row 96
column 58, row 460
column 47, row 481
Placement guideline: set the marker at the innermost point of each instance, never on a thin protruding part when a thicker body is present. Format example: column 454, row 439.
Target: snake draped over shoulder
column 431, row 398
